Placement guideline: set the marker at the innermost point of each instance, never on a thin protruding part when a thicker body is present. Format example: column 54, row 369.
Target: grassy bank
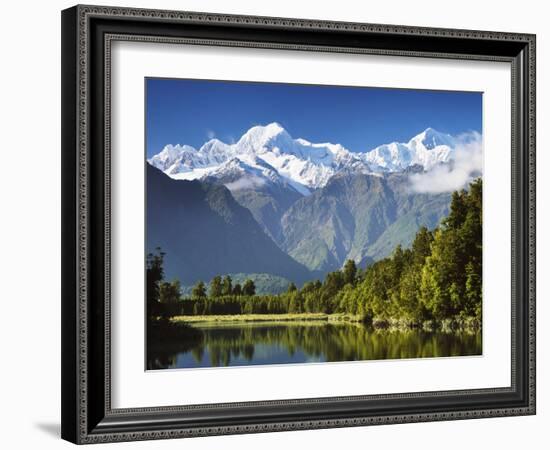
column 447, row 325
column 301, row 317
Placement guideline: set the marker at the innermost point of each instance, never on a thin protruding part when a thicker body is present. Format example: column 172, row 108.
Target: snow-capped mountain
column 269, row 154
column 427, row 149
column 268, row 149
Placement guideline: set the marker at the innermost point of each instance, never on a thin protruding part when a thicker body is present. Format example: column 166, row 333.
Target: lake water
column 253, row 343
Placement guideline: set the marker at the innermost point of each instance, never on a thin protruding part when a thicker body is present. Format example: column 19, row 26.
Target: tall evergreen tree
column 237, row 290
column 154, row 276
column 227, row 287
column 458, row 210
column 216, row 287
column 249, row 288
column 199, row 290
column 421, row 245
column 398, row 263
column 334, row 281
column 473, row 291
column 350, row 272
column 170, row 292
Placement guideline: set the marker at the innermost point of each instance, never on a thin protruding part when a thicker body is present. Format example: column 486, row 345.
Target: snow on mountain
column 171, row 155
column 269, row 154
column 427, row 149
column 235, row 168
column 269, row 149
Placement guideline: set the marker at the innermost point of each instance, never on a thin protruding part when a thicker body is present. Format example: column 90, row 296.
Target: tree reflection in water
column 237, row 344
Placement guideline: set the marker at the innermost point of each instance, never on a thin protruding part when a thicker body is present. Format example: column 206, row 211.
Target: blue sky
column 194, row 111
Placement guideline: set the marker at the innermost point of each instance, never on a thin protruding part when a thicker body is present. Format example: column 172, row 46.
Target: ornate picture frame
column 88, row 33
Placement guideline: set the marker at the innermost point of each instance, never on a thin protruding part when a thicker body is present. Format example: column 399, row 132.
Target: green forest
column 438, row 278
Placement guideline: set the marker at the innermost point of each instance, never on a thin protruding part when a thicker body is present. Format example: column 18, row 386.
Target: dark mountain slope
column 205, row 232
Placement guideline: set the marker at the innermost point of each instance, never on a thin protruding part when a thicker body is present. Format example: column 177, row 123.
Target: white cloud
column 248, row 182
column 210, row 134
column 467, row 162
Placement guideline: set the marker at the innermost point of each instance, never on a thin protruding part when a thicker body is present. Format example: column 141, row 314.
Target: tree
column 292, row 287
column 216, row 287
column 249, row 288
column 154, row 276
column 170, row 293
column 309, row 286
column 409, row 288
column 199, row 290
column 421, row 245
column 237, row 290
column 227, row 288
column 334, row 281
column 295, row 304
column 458, row 210
column 309, row 302
column 350, row 272
column 439, row 273
column 473, row 291
column 398, row 263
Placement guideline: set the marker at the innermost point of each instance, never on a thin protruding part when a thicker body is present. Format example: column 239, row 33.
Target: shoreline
column 450, row 324
column 289, row 317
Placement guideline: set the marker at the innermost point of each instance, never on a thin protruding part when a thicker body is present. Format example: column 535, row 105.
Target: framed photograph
column 280, row 224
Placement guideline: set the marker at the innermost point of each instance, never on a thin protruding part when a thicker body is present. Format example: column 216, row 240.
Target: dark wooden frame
column 87, row 32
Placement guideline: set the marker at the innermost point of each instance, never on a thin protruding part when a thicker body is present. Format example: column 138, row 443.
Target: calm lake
column 253, row 343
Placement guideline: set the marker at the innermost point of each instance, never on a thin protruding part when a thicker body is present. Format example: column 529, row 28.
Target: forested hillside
column 437, row 278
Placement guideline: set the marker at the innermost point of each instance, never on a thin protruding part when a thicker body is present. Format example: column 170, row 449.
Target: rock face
column 359, row 217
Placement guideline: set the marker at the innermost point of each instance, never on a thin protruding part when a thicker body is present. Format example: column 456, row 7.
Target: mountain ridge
column 360, row 217
column 305, row 165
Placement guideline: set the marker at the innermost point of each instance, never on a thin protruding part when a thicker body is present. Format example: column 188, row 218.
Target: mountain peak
column 260, row 136
column 275, row 127
column 213, row 145
column 213, row 141
column 272, row 128
column 431, row 138
column 166, row 158
column 426, row 149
